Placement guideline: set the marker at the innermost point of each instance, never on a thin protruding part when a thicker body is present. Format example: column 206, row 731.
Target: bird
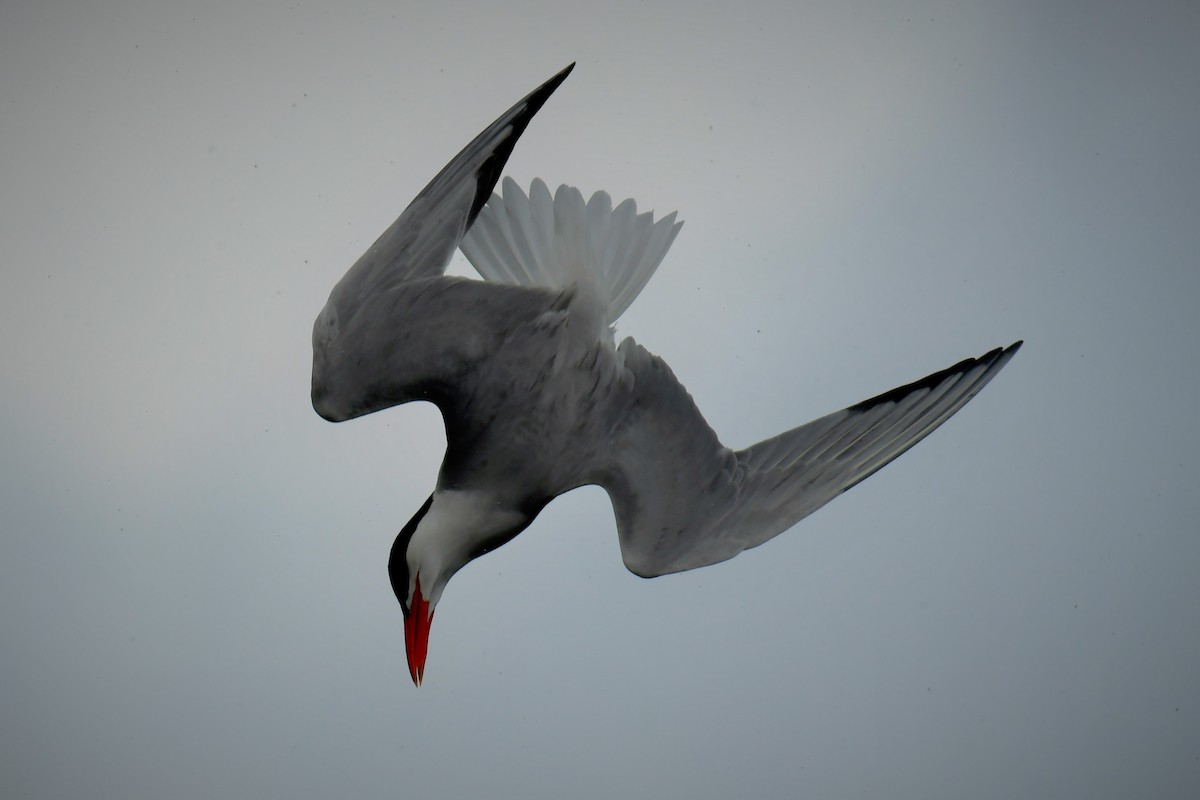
column 538, row 398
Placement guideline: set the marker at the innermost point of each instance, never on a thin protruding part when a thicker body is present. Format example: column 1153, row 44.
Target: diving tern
column 538, row 398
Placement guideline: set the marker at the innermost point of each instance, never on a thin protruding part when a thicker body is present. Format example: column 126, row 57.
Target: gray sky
column 193, row 590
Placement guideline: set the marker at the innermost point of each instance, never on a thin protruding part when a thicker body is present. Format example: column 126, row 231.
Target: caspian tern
column 538, row 399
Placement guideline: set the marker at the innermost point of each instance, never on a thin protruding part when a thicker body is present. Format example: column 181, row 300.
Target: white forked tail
column 559, row 242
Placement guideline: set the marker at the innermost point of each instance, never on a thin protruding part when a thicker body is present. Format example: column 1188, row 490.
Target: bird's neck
column 459, row 526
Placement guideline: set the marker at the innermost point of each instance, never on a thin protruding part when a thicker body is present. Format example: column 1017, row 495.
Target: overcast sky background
column 193, row 591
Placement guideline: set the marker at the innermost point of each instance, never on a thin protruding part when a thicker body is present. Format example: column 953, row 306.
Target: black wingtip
column 489, row 171
column 558, row 78
column 993, row 360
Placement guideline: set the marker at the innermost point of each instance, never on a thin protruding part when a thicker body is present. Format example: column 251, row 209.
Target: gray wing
column 420, row 242
column 377, row 341
column 682, row 500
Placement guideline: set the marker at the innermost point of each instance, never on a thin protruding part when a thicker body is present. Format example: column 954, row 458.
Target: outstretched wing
column 420, row 242
column 682, row 500
column 377, row 342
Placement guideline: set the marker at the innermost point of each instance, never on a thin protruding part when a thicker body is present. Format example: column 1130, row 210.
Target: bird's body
column 538, row 398
column 525, row 422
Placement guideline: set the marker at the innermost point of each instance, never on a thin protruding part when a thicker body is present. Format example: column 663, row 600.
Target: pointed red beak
column 416, row 633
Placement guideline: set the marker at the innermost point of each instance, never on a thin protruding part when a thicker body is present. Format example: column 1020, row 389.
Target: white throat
column 456, row 526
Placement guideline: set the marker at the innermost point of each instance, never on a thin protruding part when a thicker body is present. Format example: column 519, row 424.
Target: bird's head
column 452, row 528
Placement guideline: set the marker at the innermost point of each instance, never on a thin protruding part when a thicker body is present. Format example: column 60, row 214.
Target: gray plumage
column 537, row 397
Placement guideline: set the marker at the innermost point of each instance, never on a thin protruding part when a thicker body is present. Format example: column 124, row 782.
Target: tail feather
column 559, row 241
